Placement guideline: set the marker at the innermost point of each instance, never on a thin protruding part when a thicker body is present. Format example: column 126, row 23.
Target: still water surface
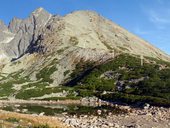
column 53, row 110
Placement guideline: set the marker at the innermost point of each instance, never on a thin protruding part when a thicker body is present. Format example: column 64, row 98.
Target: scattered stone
column 41, row 114
column 110, row 124
column 99, row 112
column 146, row 106
column 138, row 118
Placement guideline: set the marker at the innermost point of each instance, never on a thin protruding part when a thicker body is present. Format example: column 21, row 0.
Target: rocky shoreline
column 153, row 117
column 90, row 101
column 39, row 102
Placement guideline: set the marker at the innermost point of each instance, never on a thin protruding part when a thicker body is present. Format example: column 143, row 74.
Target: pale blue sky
column 149, row 19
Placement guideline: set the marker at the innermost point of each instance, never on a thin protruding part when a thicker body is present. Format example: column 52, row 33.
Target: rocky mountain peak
column 5, row 35
column 40, row 16
column 26, row 33
column 85, row 29
column 39, row 11
column 37, row 20
column 2, row 26
column 14, row 25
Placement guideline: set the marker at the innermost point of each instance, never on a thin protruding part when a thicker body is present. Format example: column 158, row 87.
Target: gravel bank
column 152, row 117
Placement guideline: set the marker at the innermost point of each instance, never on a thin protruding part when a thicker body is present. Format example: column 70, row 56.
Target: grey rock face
column 5, row 35
column 26, row 33
column 14, row 25
column 2, row 26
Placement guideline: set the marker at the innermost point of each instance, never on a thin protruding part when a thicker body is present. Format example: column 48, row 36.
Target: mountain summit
column 45, row 49
column 90, row 29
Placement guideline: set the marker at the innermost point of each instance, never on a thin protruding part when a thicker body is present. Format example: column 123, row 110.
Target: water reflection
column 53, row 110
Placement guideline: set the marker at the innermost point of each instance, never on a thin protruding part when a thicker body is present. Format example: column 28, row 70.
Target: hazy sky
column 149, row 19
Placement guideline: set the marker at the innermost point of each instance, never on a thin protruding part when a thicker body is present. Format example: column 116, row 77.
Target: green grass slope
column 125, row 80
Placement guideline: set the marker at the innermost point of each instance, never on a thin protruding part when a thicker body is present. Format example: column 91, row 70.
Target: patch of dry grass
column 26, row 120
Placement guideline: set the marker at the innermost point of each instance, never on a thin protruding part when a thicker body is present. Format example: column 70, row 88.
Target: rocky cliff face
column 23, row 34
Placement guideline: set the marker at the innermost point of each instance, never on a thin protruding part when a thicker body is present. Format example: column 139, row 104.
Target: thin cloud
column 155, row 17
column 159, row 17
column 158, row 14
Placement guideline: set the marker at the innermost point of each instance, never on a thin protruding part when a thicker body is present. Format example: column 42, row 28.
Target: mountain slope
column 104, row 32
column 42, row 52
column 90, row 29
column 123, row 79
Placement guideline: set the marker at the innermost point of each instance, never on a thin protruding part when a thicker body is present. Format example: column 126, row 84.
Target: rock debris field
column 152, row 117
